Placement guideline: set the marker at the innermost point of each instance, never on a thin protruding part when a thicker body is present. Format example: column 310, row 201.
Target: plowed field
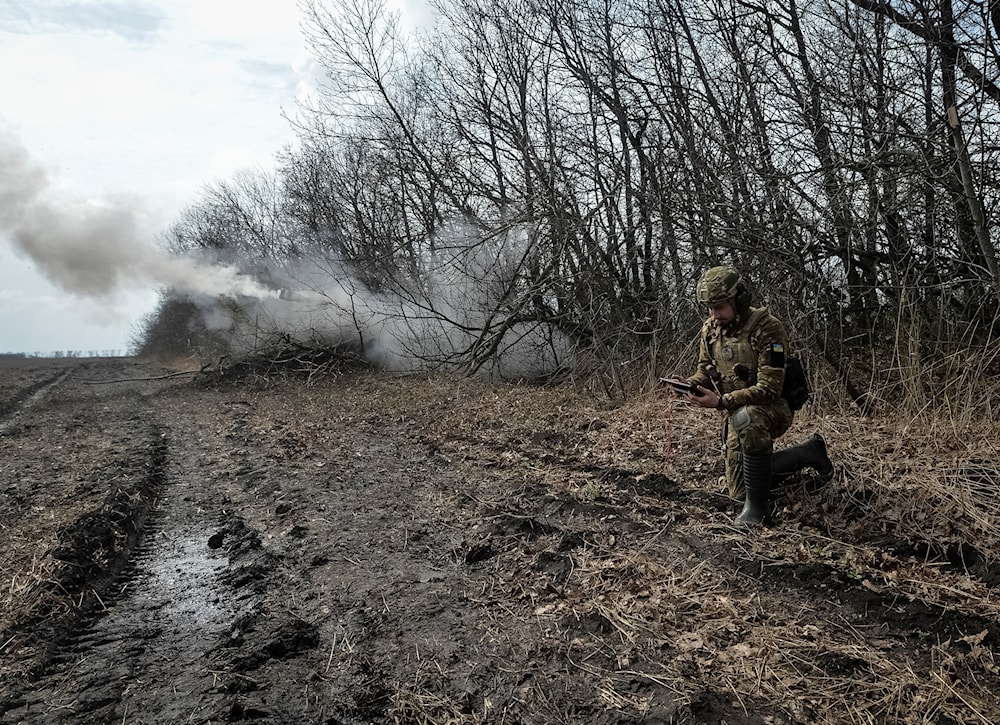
column 359, row 548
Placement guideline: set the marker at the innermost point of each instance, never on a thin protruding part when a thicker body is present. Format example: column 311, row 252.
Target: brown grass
column 670, row 616
column 684, row 608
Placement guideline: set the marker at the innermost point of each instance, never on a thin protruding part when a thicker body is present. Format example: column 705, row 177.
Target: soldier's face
column 722, row 312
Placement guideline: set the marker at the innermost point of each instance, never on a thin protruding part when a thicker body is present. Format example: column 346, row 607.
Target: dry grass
column 416, row 704
column 660, row 594
column 29, row 589
column 932, row 482
column 686, row 623
column 935, row 482
column 657, row 611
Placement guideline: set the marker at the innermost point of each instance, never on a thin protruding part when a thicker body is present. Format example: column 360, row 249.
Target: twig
column 333, row 646
column 649, row 543
column 951, row 688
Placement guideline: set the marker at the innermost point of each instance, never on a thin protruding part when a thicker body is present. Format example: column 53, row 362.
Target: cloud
column 274, row 78
column 137, row 21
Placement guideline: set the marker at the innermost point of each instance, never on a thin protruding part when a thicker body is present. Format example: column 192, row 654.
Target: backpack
column 795, row 389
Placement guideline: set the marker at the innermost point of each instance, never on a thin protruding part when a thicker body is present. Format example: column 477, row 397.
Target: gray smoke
column 95, row 248
column 446, row 317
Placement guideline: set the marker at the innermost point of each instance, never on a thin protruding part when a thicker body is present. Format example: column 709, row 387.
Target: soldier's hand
column 704, row 398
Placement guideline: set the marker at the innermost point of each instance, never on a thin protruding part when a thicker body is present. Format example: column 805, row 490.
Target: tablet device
column 680, row 386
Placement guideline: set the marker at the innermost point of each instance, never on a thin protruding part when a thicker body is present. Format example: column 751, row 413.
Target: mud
column 354, row 548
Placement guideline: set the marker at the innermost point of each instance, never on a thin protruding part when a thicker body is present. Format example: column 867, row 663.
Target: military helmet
column 722, row 283
column 718, row 284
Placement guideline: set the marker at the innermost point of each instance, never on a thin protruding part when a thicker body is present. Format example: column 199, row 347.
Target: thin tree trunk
column 949, row 51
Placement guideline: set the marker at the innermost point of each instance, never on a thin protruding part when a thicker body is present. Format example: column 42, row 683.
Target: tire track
column 144, row 630
column 11, row 409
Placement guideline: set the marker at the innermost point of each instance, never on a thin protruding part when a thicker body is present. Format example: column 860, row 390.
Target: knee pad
column 741, row 419
column 752, row 428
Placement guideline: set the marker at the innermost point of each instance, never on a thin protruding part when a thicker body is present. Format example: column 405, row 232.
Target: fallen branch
column 87, row 381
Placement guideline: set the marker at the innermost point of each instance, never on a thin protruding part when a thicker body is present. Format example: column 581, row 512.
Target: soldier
column 741, row 369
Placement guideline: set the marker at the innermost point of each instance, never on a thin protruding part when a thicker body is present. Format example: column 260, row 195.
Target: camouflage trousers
column 751, row 429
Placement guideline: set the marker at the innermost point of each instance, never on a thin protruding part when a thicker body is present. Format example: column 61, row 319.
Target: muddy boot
column 757, row 479
column 811, row 454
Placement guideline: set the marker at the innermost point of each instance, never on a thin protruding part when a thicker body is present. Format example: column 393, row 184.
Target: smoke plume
column 95, row 248
column 455, row 313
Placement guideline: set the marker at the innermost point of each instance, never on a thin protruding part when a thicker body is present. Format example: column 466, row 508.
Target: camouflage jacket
column 749, row 358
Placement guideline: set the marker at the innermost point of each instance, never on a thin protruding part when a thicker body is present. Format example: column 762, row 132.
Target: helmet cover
column 718, row 284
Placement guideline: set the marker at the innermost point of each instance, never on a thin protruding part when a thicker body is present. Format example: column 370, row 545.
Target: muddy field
column 361, row 548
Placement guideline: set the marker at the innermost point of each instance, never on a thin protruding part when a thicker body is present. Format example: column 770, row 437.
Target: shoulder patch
column 777, row 354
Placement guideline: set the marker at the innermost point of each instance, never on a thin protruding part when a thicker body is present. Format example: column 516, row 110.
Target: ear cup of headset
column 742, row 299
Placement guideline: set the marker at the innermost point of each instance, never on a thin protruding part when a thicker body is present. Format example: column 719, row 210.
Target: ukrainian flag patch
column 777, row 354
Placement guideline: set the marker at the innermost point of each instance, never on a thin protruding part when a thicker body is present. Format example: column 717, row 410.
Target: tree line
column 842, row 153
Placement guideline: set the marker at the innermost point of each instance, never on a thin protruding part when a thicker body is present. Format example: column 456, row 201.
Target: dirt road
column 365, row 548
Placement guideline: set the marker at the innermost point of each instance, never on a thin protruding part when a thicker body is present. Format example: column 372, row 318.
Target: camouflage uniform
column 742, row 357
column 745, row 363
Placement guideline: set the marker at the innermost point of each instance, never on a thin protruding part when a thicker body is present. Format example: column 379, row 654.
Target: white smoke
column 95, row 248
column 455, row 310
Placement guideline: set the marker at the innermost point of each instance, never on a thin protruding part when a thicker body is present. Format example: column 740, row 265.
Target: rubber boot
column 810, row 454
column 757, row 480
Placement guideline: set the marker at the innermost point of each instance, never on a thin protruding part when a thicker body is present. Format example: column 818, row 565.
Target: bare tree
column 842, row 152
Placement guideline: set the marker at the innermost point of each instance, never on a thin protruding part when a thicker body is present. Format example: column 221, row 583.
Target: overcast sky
column 138, row 104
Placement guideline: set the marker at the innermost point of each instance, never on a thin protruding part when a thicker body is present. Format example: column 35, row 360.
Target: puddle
column 151, row 642
column 181, row 578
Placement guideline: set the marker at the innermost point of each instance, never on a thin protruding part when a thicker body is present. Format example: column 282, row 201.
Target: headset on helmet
column 722, row 283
